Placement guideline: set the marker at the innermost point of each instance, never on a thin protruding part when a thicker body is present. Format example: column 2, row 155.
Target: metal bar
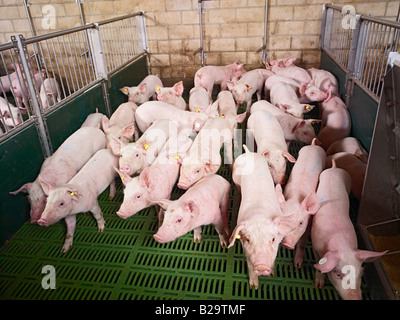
column 100, row 23
column 323, row 26
column 58, row 67
column 39, row 119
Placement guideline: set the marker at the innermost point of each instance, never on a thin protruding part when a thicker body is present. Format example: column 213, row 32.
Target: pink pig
column 301, row 191
column 334, row 238
column 205, row 203
column 199, row 99
column 9, row 114
column 291, row 71
column 155, row 182
column 151, row 111
column 145, row 90
column 62, row 166
column 294, row 129
column 354, row 167
column 94, row 120
column 49, row 93
column 270, row 140
column 227, row 109
column 20, row 91
column 135, row 156
column 284, row 97
column 208, row 76
column 249, row 83
column 336, row 122
column 324, row 80
column 172, row 95
column 282, row 63
column 121, row 124
column 80, row 194
column 351, row 145
column 204, row 155
column 260, row 223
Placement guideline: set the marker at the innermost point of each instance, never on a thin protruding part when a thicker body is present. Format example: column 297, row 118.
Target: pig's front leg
column 197, row 235
column 301, row 245
column 319, row 276
column 221, row 225
column 70, row 221
column 253, row 278
column 160, row 215
column 98, row 215
column 112, row 190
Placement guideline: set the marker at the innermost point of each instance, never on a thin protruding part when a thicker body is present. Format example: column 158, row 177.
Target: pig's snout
column 262, row 269
column 160, row 97
column 126, row 169
column 122, row 215
column 182, row 186
column 158, row 238
column 43, row 222
column 287, row 245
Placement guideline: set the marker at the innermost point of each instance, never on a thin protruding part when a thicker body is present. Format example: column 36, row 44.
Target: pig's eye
column 337, row 274
column 61, row 204
column 301, row 223
column 312, row 92
column 138, row 196
column 273, row 240
column 137, row 155
column 197, row 171
column 179, row 220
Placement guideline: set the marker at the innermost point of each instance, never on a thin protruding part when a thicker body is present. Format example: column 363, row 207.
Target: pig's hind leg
column 98, row 215
column 197, row 235
column 221, row 225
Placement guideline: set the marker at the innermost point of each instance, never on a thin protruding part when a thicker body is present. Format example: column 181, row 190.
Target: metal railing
column 43, row 73
column 360, row 44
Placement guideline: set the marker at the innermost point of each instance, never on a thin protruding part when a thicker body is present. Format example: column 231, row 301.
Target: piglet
column 10, row 115
column 121, row 124
column 93, row 120
column 208, row 76
column 282, row 63
column 284, row 97
column 291, row 71
column 324, row 80
column 351, row 145
column 334, row 238
column 151, row 111
column 145, row 90
column 156, row 181
column 172, row 95
column 260, row 223
column 80, row 194
column 355, row 168
column 205, row 203
column 336, row 122
column 135, row 156
column 267, row 132
column 199, row 99
column 62, row 166
column 204, row 155
column 49, row 92
column 249, row 83
column 300, row 192
column 294, row 129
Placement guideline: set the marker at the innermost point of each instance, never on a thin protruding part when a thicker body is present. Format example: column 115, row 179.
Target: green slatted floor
column 125, row 262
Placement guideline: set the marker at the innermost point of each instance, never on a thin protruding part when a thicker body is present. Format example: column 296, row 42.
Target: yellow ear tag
column 312, row 122
column 222, row 116
column 238, row 236
column 177, row 157
column 357, row 155
column 308, row 107
column 125, row 90
column 197, row 110
column 72, row 194
column 146, row 146
column 267, row 68
column 122, row 177
column 158, row 88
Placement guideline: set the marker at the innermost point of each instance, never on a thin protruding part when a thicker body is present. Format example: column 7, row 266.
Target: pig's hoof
column 255, row 285
column 100, row 229
column 298, row 263
column 197, row 239
column 111, row 197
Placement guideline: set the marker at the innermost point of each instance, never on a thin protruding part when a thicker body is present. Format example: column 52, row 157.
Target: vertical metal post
column 323, row 27
column 27, row 76
column 143, row 31
column 99, row 61
column 328, row 28
column 264, row 54
column 200, row 11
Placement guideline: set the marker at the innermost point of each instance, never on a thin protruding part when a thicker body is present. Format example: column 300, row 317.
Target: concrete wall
column 233, row 29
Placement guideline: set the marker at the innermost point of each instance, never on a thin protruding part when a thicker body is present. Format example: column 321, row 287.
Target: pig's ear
column 192, row 208
column 288, row 156
column 75, row 195
column 212, row 167
column 241, row 117
column 46, row 186
column 129, row 130
column 116, row 146
column 299, row 125
column 145, row 179
column 302, row 89
column 230, row 85
column 125, row 90
column 24, row 188
column 143, row 87
column 104, row 123
column 178, row 88
column 313, row 121
column 286, row 224
column 235, row 234
column 125, row 178
column 283, row 107
column 328, row 94
column 308, row 107
column 163, row 203
column 248, row 87
column 311, row 203
column 368, row 256
column 328, row 262
column 289, row 61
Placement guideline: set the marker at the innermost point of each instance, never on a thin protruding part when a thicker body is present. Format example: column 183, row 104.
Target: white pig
column 144, row 90
column 80, row 194
column 62, row 166
column 9, row 114
column 199, row 99
column 49, row 92
column 351, row 145
column 172, row 95
column 270, row 140
column 334, row 238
